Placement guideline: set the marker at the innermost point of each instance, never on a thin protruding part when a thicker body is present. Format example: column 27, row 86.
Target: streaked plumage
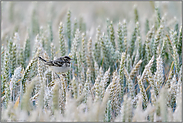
column 60, row 65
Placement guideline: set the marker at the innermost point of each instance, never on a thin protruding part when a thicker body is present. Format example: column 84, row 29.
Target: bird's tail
column 42, row 59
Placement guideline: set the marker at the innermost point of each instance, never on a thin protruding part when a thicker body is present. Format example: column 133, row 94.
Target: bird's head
column 67, row 58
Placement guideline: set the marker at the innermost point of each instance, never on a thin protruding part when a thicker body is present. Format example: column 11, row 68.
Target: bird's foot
column 64, row 75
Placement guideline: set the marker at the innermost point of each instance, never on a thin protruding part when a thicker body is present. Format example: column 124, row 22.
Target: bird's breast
column 62, row 69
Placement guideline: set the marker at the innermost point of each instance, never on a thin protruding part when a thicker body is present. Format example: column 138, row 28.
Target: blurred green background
column 18, row 16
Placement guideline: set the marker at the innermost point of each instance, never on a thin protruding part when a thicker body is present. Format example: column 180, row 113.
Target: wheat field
column 126, row 67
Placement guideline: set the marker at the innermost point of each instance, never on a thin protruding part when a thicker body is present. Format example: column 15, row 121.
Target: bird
column 59, row 65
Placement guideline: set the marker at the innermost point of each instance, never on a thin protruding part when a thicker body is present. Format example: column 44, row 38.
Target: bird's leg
column 57, row 75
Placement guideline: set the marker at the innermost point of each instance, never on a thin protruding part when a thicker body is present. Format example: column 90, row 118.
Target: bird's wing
column 58, row 63
column 50, row 63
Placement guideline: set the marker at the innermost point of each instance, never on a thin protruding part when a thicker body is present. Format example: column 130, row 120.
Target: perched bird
column 60, row 65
